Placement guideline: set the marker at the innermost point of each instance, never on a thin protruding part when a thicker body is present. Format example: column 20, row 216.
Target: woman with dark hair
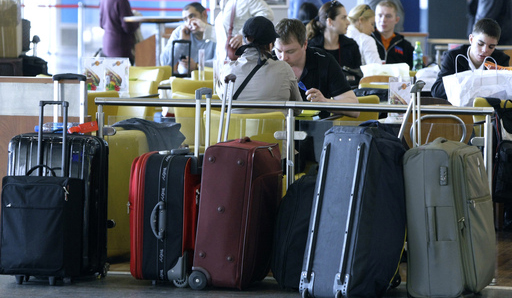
column 327, row 31
column 307, row 12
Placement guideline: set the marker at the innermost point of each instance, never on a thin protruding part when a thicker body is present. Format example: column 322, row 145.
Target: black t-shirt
column 323, row 73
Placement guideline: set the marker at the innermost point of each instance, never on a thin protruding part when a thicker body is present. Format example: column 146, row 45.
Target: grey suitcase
column 451, row 237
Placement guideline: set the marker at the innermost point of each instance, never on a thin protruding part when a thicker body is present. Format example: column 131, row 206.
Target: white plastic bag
column 462, row 87
column 394, row 70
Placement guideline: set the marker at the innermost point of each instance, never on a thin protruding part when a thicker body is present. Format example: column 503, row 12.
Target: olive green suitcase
column 451, row 238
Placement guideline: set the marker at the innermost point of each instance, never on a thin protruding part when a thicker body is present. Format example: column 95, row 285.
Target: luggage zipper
column 66, row 193
column 271, row 151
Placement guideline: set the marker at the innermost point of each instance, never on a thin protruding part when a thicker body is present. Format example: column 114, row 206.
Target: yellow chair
column 143, row 73
column 208, row 74
column 188, row 85
column 259, row 126
column 92, row 108
column 185, row 89
column 363, row 116
column 377, row 81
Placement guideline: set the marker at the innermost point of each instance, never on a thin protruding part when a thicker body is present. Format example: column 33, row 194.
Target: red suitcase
column 241, row 188
column 163, row 214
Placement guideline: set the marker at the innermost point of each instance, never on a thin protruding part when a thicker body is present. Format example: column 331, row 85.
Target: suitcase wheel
column 197, row 280
column 181, row 283
column 397, row 279
column 21, row 278
column 305, row 294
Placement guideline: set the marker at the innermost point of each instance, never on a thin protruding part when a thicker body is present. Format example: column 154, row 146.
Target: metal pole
column 488, row 148
column 290, row 148
column 80, row 33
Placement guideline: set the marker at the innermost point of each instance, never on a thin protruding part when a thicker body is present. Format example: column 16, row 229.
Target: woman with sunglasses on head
column 362, row 25
column 327, row 31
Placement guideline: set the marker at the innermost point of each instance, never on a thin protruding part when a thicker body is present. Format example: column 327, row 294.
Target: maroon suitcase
column 241, row 187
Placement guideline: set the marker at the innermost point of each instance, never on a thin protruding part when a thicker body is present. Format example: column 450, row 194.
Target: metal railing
column 290, row 106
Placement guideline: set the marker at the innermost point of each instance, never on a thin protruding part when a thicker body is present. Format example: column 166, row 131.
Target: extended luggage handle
column 229, row 87
column 413, row 108
column 65, row 106
column 158, row 222
column 57, row 91
column 424, row 117
column 207, row 92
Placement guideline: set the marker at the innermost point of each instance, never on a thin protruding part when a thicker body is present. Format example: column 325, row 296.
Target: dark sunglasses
column 364, row 10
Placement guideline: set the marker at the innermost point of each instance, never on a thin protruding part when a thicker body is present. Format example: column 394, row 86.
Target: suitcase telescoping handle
column 65, row 106
column 207, row 92
column 229, row 88
column 414, row 108
column 58, row 93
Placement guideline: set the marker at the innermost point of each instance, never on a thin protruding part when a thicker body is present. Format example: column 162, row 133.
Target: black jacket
column 399, row 51
column 448, row 67
column 350, row 55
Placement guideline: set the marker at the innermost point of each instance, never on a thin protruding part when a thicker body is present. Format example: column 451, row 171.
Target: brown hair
column 287, row 29
column 317, row 26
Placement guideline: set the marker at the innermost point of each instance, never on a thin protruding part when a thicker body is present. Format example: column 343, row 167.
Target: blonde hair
column 362, row 10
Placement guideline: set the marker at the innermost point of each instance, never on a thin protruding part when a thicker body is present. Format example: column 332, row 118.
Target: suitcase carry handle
column 69, row 76
column 64, row 163
column 161, row 220
column 51, row 170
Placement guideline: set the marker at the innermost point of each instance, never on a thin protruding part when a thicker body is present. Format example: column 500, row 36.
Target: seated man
column 270, row 79
column 320, row 77
column 392, row 46
column 189, row 31
column 483, row 41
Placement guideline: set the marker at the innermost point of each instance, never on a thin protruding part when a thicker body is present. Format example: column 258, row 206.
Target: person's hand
column 185, row 33
column 184, row 63
column 197, row 25
column 236, row 41
column 314, row 95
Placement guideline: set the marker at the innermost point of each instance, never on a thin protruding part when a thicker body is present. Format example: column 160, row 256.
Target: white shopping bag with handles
column 462, row 87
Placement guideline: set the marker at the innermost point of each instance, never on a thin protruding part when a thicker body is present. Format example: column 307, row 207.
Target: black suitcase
column 164, row 189
column 163, row 200
column 87, row 160
column 291, row 232
column 45, row 219
column 357, row 227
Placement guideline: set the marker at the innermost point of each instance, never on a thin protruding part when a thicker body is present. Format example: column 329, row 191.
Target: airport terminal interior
column 119, row 282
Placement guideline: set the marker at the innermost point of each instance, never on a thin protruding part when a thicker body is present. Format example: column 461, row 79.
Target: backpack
column 502, row 149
